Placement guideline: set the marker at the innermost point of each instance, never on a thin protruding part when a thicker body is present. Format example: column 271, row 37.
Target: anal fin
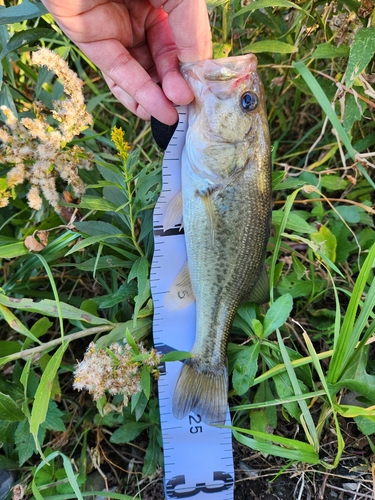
column 180, row 294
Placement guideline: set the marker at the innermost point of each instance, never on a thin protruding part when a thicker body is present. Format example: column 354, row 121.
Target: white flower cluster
column 114, row 372
column 37, row 150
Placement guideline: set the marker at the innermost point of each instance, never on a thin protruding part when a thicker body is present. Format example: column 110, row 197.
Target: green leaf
column 43, row 393
column 24, row 38
column 361, row 52
column 353, row 112
column 92, row 240
column 277, row 314
column 350, row 213
column 9, row 347
column 294, row 222
column 273, row 46
column 48, row 307
column 24, row 441
column 290, row 448
column 326, row 242
column 244, row 318
column 13, row 250
column 175, row 356
column 329, row 51
column 138, row 332
column 14, row 322
column 21, row 12
column 9, row 410
column 263, row 419
column 128, row 432
column 153, row 454
column 146, row 381
column 126, row 291
column 263, row 4
column 53, row 419
column 130, row 340
column 97, row 203
column 140, row 271
column 298, row 267
column 366, row 425
column 245, row 368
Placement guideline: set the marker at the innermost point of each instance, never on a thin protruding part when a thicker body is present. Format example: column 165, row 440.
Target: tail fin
column 203, row 390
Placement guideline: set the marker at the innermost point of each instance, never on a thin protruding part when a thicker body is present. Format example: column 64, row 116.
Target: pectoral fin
column 207, row 203
column 180, row 293
column 260, row 294
column 173, row 213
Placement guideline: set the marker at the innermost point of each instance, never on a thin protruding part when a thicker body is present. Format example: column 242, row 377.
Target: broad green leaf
column 175, row 356
column 14, row 322
column 264, row 4
column 43, row 393
column 277, row 314
column 128, row 432
column 9, row 347
column 139, row 332
column 245, row 368
column 24, row 442
column 244, row 318
column 293, row 223
column 97, row 203
column 366, row 425
column 21, row 12
column 329, row 51
column 24, row 38
column 326, row 242
column 263, row 419
column 298, row 267
column 350, row 213
column 9, row 410
column 13, row 250
column 273, row 46
column 48, row 307
column 126, row 291
column 361, row 52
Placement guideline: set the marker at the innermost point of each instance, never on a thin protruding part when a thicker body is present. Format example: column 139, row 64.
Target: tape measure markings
column 193, row 451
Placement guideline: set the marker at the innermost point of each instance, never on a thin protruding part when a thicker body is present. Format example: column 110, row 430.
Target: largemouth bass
column 226, row 209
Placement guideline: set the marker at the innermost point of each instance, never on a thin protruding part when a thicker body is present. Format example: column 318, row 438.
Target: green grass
column 294, row 362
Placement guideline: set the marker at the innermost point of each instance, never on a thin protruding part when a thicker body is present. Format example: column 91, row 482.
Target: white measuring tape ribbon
column 198, row 458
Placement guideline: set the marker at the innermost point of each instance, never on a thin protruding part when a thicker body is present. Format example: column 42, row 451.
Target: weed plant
column 75, row 268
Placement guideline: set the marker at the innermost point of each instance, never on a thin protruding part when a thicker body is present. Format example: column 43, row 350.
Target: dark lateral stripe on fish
column 175, row 231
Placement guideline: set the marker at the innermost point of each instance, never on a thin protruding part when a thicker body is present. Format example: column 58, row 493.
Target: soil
column 260, row 478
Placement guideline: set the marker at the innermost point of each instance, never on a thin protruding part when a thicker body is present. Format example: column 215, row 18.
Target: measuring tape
column 198, row 458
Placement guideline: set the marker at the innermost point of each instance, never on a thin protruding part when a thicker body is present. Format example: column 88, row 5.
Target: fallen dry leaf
column 32, row 244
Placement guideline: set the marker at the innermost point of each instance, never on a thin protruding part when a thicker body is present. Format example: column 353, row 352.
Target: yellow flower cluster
column 37, row 150
column 113, row 371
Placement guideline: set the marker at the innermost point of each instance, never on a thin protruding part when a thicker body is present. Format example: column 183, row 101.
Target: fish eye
column 249, row 101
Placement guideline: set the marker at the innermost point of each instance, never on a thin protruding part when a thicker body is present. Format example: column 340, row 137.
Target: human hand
column 137, row 43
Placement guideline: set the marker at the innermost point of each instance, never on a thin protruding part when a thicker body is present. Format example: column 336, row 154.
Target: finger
column 129, row 102
column 190, row 28
column 116, row 62
column 164, row 53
